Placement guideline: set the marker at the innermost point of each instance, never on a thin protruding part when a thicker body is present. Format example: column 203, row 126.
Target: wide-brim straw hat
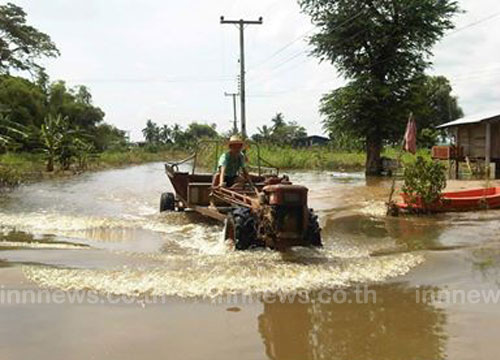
column 235, row 140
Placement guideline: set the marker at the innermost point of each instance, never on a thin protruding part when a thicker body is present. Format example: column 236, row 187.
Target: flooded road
column 101, row 233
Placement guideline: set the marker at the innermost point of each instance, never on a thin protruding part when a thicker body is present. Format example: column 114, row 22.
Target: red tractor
column 269, row 211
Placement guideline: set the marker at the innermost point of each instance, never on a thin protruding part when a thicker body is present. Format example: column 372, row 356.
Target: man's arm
column 243, row 166
column 222, row 176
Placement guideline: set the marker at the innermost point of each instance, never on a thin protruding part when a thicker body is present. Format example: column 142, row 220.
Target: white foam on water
column 234, row 273
column 373, row 208
column 57, row 224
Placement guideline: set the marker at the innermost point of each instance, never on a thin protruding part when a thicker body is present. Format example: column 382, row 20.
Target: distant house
column 476, row 137
column 314, row 140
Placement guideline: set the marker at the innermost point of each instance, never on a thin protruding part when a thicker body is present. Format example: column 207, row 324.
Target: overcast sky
column 171, row 61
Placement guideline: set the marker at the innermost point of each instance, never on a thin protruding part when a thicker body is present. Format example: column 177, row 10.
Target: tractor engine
column 284, row 222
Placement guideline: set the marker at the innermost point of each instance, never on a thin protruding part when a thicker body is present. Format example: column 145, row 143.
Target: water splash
column 235, row 273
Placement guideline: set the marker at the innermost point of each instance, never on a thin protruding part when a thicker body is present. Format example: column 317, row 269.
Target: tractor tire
column 167, row 202
column 313, row 235
column 239, row 229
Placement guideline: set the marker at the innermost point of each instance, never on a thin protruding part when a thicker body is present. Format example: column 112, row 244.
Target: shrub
column 424, row 181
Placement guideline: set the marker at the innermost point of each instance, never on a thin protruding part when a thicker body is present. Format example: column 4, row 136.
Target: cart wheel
column 239, row 229
column 167, row 202
column 313, row 236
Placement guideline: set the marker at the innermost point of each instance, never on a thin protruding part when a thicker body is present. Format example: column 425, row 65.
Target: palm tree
column 151, row 132
column 278, row 121
column 264, row 133
column 166, row 134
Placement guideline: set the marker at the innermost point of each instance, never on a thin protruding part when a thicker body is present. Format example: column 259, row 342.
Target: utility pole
column 235, row 126
column 241, row 23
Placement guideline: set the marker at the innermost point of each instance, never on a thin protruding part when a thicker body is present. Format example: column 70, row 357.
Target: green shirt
column 233, row 164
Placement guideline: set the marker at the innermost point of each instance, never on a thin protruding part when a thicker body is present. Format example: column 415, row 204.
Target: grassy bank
column 16, row 168
column 317, row 158
column 312, row 159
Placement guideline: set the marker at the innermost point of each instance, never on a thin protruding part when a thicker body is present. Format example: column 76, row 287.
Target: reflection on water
column 394, row 326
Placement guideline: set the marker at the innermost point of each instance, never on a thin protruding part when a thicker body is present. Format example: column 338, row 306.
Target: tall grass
column 314, row 158
column 136, row 156
column 287, row 158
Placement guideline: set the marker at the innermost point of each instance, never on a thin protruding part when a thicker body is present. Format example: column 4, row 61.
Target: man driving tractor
column 231, row 168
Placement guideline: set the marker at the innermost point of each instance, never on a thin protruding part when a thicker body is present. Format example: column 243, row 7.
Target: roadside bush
column 424, row 181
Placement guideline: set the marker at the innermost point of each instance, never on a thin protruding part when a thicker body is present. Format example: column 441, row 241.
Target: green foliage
column 424, row 181
column 75, row 104
column 282, row 132
column 23, row 167
column 9, row 176
column 29, row 103
column 427, row 138
column 383, row 48
column 21, row 44
column 23, row 100
column 10, row 133
column 157, row 136
column 287, row 157
column 19, row 167
column 432, row 102
column 108, row 137
column 64, row 144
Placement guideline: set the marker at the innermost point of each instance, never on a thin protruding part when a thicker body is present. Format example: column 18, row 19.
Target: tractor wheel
column 239, row 229
column 167, row 202
column 313, row 236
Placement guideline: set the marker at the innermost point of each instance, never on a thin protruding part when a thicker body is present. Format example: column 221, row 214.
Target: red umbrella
column 410, row 140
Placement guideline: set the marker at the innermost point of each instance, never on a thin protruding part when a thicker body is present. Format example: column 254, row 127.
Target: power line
column 451, row 33
column 304, row 51
column 280, row 50
column 151, row 80
column 488, row 18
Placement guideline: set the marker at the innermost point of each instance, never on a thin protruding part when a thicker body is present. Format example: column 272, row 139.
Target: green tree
column 108, row 137
column 151, row 132
column 281, row 132
column 24, row 100
column 75, row 104
column 278, row 121
column 166, row 134
column 433, row 104
column 21, row 44
column 382, row 47
column 264, row 134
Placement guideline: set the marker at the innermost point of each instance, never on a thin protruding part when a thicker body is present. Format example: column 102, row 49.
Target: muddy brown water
column 165, row 285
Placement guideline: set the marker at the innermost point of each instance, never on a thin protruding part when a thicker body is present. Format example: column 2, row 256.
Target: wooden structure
column 476, row 138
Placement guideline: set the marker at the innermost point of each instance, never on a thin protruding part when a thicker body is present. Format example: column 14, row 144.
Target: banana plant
column 10, row 132
column 52, row 133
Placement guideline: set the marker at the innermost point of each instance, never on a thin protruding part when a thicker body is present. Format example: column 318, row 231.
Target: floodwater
column 166, row 286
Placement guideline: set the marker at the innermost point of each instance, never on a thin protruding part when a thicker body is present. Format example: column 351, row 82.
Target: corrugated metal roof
column 472, row 119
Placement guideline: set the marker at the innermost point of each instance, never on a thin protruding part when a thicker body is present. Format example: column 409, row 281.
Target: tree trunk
column 50, row 164
column 373, row 161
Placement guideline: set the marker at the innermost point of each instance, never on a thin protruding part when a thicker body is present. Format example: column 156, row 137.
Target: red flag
column 410, row 141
